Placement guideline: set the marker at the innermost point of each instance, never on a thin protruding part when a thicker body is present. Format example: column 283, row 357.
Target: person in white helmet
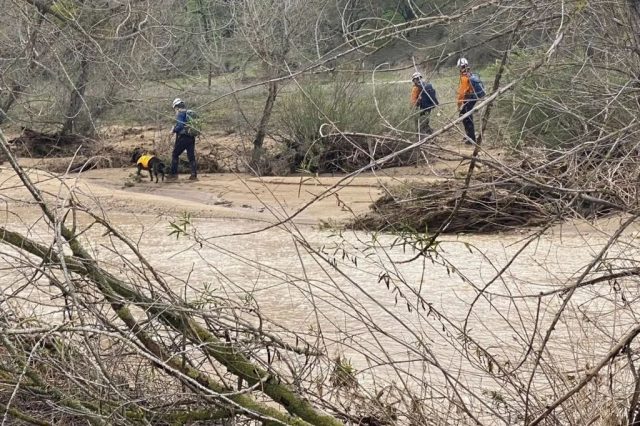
column 465, row 100
column 423, row 99
column 184, row 141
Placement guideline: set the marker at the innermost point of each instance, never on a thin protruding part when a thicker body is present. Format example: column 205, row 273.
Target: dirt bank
column 318, row 198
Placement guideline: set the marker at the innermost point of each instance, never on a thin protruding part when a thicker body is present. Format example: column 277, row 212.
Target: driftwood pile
column 37, row 144
column 75, row 153
column 348, row 152
column 530, row 193
column 61, row 153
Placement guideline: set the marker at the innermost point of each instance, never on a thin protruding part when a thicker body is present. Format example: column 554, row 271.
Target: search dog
column 149, row 162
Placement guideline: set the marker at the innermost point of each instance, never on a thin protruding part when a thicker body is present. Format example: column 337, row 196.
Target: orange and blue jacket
column 144, row 160
column 415, row 94
column 465, row 88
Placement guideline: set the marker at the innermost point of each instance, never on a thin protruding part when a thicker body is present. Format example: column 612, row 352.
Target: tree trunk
column 264, row 121
column 77, row 95
column 16, row 86
column 206, row 26
column 634, row 21
column 6, row 103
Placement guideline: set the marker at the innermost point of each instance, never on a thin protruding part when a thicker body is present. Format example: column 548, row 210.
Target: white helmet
column 416, row 75
column 176, row 102
column 462, row 62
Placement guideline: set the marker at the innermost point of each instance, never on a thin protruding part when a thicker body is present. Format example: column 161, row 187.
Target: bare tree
column 71, row 46
column 277, row 33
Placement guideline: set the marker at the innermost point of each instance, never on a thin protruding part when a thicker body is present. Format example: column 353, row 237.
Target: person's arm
column 181, row 120
column 415, row 93
column 463, row 89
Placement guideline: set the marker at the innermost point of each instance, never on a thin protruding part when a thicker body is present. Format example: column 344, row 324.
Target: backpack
column 478, row 86
column 428, row 97
column 193, row 124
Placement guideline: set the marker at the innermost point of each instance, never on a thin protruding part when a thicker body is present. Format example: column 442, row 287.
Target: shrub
column 343, row 104
column 565, row 105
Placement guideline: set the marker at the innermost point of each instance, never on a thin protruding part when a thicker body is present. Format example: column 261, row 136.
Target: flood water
column 392, row 317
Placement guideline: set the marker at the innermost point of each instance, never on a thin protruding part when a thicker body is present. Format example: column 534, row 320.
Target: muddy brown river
column 396, row 317
column 306, row 279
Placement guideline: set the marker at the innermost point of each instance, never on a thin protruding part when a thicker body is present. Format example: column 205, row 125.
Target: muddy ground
column 230, row 194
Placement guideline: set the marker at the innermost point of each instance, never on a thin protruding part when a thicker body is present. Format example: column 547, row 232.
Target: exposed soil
column 108, row 177
column 430, row 194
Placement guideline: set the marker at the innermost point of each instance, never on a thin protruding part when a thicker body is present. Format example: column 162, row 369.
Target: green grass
column 150, row 103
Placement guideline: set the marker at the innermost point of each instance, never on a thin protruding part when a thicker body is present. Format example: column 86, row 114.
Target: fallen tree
column 83, row 281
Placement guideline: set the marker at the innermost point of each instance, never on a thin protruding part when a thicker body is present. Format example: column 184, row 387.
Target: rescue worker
column 466, row 100
column 184, row 142
column 423, row 99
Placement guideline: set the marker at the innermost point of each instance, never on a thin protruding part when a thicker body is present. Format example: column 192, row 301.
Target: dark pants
column 423, row 122
column 469, row 129
column 188, row 143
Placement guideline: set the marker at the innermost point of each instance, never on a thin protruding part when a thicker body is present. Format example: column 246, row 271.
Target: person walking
column 424, row 100
column 466, row 100
column 184, row 141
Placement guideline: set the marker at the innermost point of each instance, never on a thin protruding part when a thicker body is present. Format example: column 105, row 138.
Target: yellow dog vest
column 144, row 160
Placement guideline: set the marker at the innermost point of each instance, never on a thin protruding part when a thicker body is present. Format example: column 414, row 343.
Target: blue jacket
column 428, row 98
column 181, row 120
